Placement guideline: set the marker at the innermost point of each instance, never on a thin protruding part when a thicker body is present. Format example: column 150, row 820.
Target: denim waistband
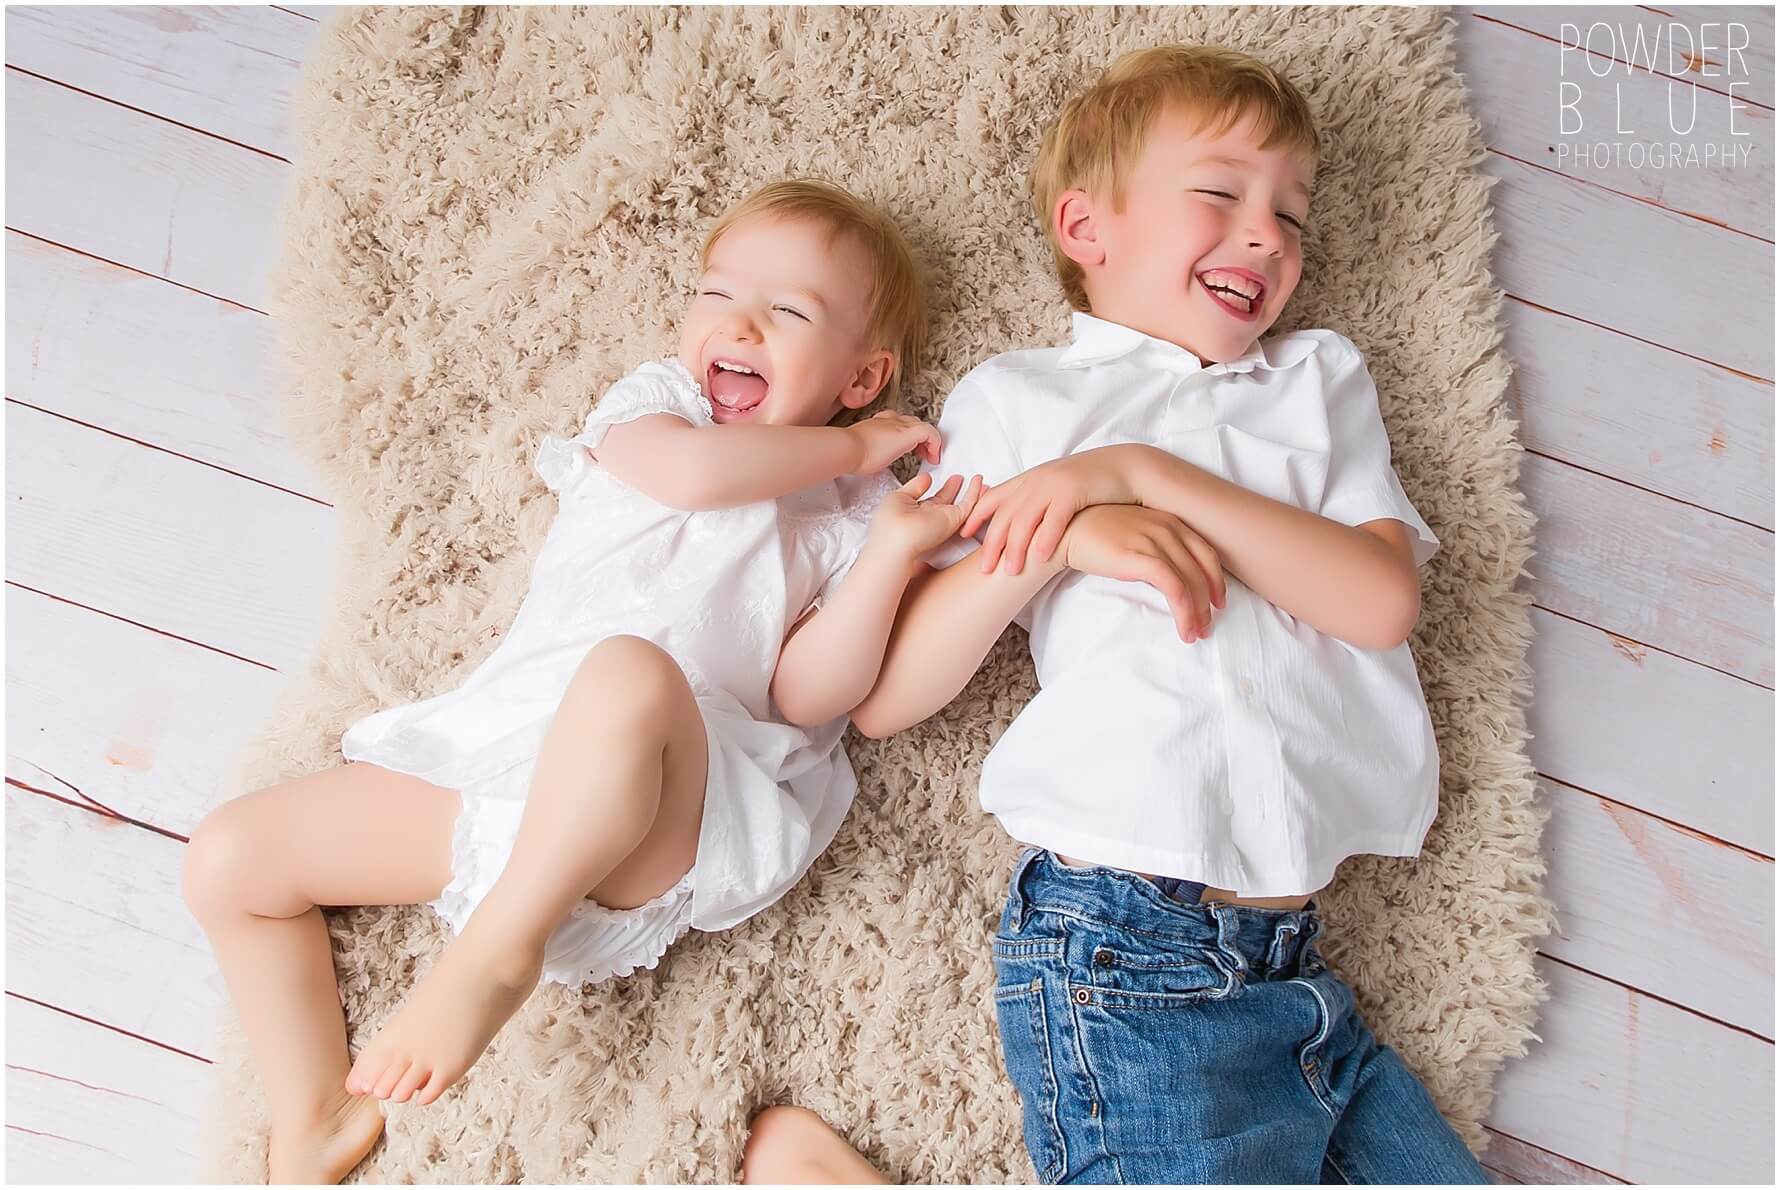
column 1261, row 938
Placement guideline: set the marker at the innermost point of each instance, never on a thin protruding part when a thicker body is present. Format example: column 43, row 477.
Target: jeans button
column 1082, row 996
column 1103, row 958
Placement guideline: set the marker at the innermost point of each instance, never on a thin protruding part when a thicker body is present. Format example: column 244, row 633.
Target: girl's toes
column 435, row 1087
column 391, row 1076
column 416, row 1076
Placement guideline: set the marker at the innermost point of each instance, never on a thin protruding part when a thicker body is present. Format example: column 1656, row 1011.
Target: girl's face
column 1203, row 216
column 776, row 330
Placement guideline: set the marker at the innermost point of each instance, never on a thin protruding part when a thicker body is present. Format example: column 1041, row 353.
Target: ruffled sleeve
column 664, row 386
column 844, row 536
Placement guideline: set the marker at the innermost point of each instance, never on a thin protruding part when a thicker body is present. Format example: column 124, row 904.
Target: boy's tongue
column 734, row 390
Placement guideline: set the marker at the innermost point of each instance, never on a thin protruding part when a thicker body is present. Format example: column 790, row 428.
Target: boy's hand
column 884, row 437
column 911, row 526
column 1135, row 544
column 1033, row 509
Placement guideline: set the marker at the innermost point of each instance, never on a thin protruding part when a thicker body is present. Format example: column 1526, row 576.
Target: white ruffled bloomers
column 594, row 943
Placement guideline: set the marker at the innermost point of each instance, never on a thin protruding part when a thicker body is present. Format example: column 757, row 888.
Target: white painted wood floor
column 167, row 561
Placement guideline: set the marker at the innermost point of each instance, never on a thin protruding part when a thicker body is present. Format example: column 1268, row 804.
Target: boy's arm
column 722, row 466
column 1357, row 584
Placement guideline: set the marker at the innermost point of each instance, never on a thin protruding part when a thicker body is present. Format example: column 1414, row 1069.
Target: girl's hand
column 911, row 526
column 1135, row 544
column 1034, row 508
column 884, row 437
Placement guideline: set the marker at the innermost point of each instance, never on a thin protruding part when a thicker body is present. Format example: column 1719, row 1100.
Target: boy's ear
column 1073, row 217
column 869, row 380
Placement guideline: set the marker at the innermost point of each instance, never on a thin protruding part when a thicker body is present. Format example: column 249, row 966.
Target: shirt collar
column 1097, row 341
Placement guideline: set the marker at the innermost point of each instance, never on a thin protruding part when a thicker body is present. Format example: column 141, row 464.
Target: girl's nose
column 742, row 327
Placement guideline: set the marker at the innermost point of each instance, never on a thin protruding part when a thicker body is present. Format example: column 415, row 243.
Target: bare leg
column 792, row 1146
column 255, row 871
column 613, row 813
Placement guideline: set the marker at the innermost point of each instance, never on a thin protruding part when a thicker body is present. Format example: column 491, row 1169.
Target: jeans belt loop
column 1022, row 900
column 1229, row 928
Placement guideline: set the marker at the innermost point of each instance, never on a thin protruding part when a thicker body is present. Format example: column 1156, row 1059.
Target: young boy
column 1164, row 1012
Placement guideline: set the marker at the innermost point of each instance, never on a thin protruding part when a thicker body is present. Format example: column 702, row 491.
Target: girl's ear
column 1073, row 217
column 869, row 380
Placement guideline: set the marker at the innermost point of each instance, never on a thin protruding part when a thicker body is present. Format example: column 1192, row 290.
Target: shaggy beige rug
column 495, row 213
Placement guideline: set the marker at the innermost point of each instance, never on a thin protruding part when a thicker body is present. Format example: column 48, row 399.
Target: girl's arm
column 831, row 658
column 953, row 617
column 696, row 468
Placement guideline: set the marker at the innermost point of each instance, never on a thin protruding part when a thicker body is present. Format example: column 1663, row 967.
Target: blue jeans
column 1157, row 1042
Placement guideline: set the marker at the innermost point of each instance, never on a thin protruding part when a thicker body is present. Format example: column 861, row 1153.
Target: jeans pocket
column 1122, row 976
column 1026, row 1049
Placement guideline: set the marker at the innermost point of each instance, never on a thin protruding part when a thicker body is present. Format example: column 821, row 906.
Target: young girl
column 655, row 744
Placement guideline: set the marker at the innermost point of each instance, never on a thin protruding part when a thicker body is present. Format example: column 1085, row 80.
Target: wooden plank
column 1667, row 736
column 88, row 1105
column 1549, row 108
column 1640, row 1089
column 1714, row 68
column 1644, row 271
column 1620, row 878
column 139, row 191
column 148, row 360
column 1516, row 1162
column 1689, row 582
column 1642, row 414
column 228, row 70
column 95, row 924
column 141, row 723
column 164, row 542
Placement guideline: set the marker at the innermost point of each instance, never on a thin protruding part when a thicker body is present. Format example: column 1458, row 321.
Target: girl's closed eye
column 798, row 314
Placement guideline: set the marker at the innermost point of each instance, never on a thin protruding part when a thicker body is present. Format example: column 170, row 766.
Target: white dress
column 717, row 591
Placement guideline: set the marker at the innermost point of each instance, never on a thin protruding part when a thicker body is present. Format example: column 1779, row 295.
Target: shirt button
column 1227, row 806
column 1247, row 687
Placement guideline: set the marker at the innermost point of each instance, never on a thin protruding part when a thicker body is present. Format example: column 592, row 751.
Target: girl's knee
column 225, row 863
column 647, row 681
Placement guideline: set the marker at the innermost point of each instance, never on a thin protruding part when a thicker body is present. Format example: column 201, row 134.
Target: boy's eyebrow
column 1300, row 187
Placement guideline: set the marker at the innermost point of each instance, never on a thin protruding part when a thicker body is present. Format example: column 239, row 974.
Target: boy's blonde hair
column 1096, row 139
column 896, row 311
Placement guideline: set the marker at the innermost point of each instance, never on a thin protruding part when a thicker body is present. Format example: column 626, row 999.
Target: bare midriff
column 1222, row 895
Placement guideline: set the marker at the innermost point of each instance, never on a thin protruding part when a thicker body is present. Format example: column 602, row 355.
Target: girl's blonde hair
column 1096, row 139
column 896, row 311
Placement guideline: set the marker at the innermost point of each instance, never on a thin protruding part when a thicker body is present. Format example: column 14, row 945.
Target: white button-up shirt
column 1259, row 757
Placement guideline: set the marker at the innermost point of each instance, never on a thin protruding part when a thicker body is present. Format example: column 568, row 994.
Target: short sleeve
column 973, row 441
column 1361, row 485
column 662, row 387
column 844, row 537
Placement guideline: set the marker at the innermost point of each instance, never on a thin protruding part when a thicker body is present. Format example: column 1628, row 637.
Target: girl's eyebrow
column 808, row 296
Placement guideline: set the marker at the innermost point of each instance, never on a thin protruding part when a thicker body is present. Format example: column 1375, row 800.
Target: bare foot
column 448, row 1020
column 792, row 1146
column 324, row 1149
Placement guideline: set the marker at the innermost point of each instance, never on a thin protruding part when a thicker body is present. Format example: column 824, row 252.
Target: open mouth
column 1237, row 295
column 735, row 388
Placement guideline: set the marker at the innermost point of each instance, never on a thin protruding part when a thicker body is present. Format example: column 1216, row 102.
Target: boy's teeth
column 728, row 367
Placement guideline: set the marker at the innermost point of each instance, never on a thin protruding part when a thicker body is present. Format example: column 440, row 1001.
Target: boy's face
column 1196, row 206
column 775, row 332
